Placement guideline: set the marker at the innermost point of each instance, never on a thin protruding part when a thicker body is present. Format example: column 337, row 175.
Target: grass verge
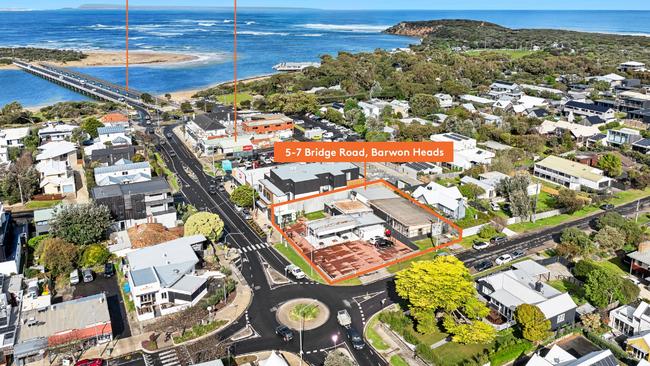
column 37, row 205
column 199, row 330
column 396, row 360
column 293, row 257
column 375, row 339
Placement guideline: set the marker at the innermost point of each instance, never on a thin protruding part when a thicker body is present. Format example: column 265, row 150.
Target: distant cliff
column 474, row 34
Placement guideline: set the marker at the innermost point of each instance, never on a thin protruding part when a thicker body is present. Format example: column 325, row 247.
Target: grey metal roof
column 643, row 143
column 95, row 154
column 143, row 276
column 121, row 167
column 302, row 172
column 209, row 122
column 188, row 284
column 30, row 347
column 171, row 252
column 588, row 106
column 155, row 185
column 43, row 215
column 111, row 129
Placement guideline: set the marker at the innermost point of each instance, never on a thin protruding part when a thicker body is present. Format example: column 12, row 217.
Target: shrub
column 583, row 268
column 487, row 232
column 94, row 255
column 34, row 242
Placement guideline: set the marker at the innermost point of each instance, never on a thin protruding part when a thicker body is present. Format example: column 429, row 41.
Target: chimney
column 538, row 286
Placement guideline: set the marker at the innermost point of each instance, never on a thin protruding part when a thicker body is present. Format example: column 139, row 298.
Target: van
column 74, row 277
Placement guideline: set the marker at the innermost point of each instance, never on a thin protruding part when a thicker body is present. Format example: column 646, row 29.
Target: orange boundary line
column 324, row 275
column 127, row 45
column 234, row 101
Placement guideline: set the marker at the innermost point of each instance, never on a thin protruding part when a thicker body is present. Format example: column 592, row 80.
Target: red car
column 90, row 362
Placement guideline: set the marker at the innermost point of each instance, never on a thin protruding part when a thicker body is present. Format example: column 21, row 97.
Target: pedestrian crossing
column 164, row 358
column 253, row 247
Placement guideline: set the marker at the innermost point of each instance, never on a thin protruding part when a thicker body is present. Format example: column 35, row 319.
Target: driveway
column 116, row 307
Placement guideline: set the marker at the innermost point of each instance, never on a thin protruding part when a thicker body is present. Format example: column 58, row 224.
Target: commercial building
column 138, row 203
column 123, row 172
column 505, row 291
column 204, row 127
column 162, row 278
column 570, row 174
column 406, row 218
column 69, row 323
column 267, row 123
column 343, row 228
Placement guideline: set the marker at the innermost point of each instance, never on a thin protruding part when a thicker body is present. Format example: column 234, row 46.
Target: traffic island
column 302, row 313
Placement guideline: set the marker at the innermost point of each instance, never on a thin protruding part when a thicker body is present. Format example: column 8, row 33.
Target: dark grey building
column 138, row 203
column 113, row 154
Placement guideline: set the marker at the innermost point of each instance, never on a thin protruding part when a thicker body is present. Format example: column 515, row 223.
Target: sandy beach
column 118, row 58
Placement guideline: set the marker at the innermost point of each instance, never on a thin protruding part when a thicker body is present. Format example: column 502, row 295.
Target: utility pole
column 636, row 216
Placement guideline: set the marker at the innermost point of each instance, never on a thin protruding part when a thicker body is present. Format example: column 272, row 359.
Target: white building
column 204, row 127
column 571, row 174
column 56, row 132
column 447, row 200
column 339, row 229
column 163, row 279
column 466, row 154
column 630, row 320
column 57, row 177
column 444, row 100
column 557, row 356
column 123, row 172
column 114, row 136
column 473, row 99
column 58, row 151
column 632, row 66
column 374, row 107
column 501, row 88
column 579, row 132
column 11, row 137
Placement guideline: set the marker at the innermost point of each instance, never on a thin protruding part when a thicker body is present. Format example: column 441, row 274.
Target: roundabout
column 302, row 313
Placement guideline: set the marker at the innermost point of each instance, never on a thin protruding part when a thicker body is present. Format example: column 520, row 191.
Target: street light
column 335, row 338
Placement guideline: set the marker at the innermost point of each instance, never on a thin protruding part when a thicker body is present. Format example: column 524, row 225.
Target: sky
column 357, row 4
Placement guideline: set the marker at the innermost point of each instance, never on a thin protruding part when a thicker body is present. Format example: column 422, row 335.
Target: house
column 501, row 88
column 466, row 154
column 138, row 203
column 58, row 151
column 123, row 172
column 404, row 217
column 598, row 139
column 51, row 326
column 476, row 100
column 338, row 229
column 640, row 260
column 447, row 200
column 505, row 291
column 267, row 123
column 570, row 174
column 542, row 90
column 112, row 154
column 374, row 107
column 631, row 66
column 538, row 113
column 422, row 121
column 115, row 119
column 642, row 146
column 580, row 133
column 624, row 136
column 491, row 119
column 162, row 278
column 11, row 138
column 594, row 121
column 487, row 181
column 628, row 101
column 573, row 109
column 56, row 132
column 642, row 115
column 444, row 100
column 42, row 220
column 11, row 287
column 611, row 79
column 557, row 356
column 639, row 346
column 414, row 170
column 630, row 320
column 56, row 177
column 13, row 237
column 113, row 136
column 529, row 102
column 292, row 181
column 204, row 127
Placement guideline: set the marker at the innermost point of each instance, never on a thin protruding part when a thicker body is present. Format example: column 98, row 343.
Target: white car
column 480, row 245
column 503, row 259
column 295, row 271
column 328, row 135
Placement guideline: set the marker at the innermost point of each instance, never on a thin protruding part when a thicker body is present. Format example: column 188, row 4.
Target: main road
column 360, row 301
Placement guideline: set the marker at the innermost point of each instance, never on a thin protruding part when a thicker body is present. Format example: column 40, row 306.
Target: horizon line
column 189, row 7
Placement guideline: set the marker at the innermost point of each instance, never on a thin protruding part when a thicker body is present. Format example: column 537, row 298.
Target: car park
column 498, row 240
column 295, row 271
column 503, row 259
column 483, row 265
column 355, row 338
column 480, row 245
column 284, row 332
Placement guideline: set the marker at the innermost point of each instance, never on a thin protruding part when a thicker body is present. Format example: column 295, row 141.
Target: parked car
column 503, row 259
column 172, row 154
column 607, row 207
column 295, row 271
column 169, row 135
column 518, row 254
column 74, row 277
column 384, row 243
column 483, row 265
column 212, row 189
column 109, row 270
column 90, row 362
column 480, row 245
column 498, row 240
column 355, row 338
column 284, row 332
column 88, row 275
column 221, row 188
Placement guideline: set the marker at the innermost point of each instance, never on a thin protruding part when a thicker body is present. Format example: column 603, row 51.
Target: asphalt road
column 360, row 301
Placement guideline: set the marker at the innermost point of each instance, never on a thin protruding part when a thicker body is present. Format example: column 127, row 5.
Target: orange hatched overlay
column 399, row 250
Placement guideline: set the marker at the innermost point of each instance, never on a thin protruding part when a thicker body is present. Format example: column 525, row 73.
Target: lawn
column 472, row 218
column 396, row 360
column 513, row 54
column 228, row 99
column 293, row 257
column 552, row 221
column 546, row 202
column 375, row 340
column 468, row 241
column 577, row 292
column 457, row 354
column 305, row 312
column 629, row 196
column 37, row 205
column 315, row 215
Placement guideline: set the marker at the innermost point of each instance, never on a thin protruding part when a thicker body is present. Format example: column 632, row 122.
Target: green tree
column 603, row 287
column 186, row 107
column 515, row 190
column 471, row 191
column 423, row 105
column 31, row 141
column 19, row 181
column 147, row 98
column 244, row 196
column 294, row 103
column 205, row 223
column 80, row 224
column 534, row 325
column 569, row 200
column 93, row 255
column 575, row 243
column 90, row 126
column 334, row 116
column 611, row 164
column 488, row 231
column 610, row 239
column 138, row 158
column 58, row 256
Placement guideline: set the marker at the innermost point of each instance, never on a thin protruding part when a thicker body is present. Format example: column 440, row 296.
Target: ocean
column 265, row 37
